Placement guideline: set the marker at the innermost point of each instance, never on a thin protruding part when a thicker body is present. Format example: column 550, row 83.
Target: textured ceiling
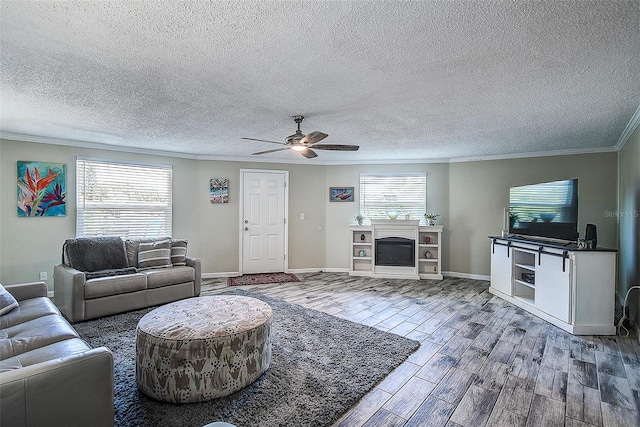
column 416, row 80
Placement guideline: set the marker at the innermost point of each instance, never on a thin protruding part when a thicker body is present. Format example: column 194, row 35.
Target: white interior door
column 263, row 222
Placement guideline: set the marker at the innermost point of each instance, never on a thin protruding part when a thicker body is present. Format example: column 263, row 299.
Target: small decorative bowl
column 547, row 217
column 393, row 214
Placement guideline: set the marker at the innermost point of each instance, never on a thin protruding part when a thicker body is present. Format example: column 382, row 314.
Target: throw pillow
column 7, row 301
column 179, row 252
column 154, row 255
column 131, row 248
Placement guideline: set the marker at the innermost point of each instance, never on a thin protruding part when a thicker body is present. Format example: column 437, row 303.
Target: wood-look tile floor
column 482, row 361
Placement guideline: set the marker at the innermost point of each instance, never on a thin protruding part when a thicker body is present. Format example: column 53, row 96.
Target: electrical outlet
column 43, row 275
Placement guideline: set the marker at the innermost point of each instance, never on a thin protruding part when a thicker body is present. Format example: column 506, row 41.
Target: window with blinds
column 403, row 193
column 123, row 199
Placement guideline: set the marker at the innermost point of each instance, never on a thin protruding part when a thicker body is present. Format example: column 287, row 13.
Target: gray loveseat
column 48, row 375
column 101, row 276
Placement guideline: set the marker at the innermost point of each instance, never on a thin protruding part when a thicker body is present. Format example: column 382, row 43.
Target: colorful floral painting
column 42, row 188
column 219, row 190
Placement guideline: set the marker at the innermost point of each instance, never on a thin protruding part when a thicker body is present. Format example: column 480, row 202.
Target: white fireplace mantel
column 407, row 229
column 427, row 238
column 383, row 228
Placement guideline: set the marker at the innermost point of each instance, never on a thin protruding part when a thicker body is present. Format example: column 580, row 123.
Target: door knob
column 246, row 229
column 246, row 221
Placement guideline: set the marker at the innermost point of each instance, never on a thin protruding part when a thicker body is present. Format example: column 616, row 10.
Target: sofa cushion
column 53, row 351
column 114, row 285
column 154, row 254
column 38, row 333
column 179, row 252
column 96, row 253
column 7, row 301
column 106, row 273
column 171, row 276
column 28, row 310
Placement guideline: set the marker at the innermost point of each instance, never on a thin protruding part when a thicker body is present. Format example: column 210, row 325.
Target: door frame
column 241, row 215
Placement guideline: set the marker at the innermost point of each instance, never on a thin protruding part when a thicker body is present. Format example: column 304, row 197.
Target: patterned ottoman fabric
column 199, row 349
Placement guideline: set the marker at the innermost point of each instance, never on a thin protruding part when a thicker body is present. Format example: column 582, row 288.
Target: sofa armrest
column 23, row 291
column 195, row 263
column 75, row 390
column 68, row 291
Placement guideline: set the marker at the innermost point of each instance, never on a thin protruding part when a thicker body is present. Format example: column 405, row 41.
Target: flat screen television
column 547, row 209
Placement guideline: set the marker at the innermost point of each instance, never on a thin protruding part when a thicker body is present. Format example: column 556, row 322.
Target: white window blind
column 404, row 193
column 123, row 199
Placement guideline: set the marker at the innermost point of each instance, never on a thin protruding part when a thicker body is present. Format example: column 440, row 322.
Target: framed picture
column 219, row 190
column 42, row 189
column 341, row 194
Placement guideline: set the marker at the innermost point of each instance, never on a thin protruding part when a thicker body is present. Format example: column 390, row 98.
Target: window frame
column 373, row 209
column 143, row 219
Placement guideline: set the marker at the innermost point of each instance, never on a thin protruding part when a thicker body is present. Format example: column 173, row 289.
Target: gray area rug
column 321, row 365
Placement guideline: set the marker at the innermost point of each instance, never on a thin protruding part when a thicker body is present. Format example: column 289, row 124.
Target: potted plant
column 431, row 217
column 359, row 218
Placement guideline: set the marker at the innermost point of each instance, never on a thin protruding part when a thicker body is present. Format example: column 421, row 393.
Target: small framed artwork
column 42, row 189
column 219, row 190
column 341, row 194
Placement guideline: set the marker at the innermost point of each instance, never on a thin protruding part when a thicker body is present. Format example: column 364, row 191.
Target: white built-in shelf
column 426, row 268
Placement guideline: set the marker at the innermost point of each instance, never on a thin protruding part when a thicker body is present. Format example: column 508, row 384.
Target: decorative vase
column 428, row 254
column 362, row 252
column 431, row 221
column 393, row 214
column 362, row 237
column 359, row 222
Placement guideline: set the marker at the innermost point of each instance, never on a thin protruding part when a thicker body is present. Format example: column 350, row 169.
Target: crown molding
column 568, row 152
column 629, row 129
column 317, row 162
column 93, row 145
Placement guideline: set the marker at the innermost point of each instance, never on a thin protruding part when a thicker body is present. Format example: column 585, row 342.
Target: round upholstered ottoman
column 199, row 349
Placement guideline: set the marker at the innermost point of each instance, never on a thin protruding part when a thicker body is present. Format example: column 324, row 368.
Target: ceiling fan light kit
column 303, row 143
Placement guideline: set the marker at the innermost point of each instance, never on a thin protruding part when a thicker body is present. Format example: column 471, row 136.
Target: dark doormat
column 261, row 279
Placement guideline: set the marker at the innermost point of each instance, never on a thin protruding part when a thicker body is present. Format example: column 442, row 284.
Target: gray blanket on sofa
column 92, row 254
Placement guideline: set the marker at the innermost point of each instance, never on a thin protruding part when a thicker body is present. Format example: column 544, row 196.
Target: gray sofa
column 107, row 275
column 48, row 375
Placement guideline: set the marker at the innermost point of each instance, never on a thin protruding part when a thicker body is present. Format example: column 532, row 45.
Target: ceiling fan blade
column 337, row 147
column 313, row 137
column 270, row 151
column 263, row 140
column 309, row 154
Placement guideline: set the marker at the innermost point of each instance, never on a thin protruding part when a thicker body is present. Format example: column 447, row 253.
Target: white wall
column 628, row 214
column 479, row 191
column 470, row 196
column 218, row 225
column 341, row 214
column 29, row 246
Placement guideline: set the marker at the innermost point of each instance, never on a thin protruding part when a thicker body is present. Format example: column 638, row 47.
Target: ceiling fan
column 303, row 143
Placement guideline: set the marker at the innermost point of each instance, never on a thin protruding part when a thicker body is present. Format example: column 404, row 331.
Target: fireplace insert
column 396, row 251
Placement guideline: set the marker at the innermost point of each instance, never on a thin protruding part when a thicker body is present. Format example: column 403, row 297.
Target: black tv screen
column 547, row 209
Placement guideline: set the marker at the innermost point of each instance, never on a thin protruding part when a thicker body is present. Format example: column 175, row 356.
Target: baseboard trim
column 220, row 275
column 466, row 275
column 342, row 270
column 305, row 270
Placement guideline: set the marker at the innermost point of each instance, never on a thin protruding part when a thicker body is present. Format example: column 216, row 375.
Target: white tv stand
column 572, row 288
